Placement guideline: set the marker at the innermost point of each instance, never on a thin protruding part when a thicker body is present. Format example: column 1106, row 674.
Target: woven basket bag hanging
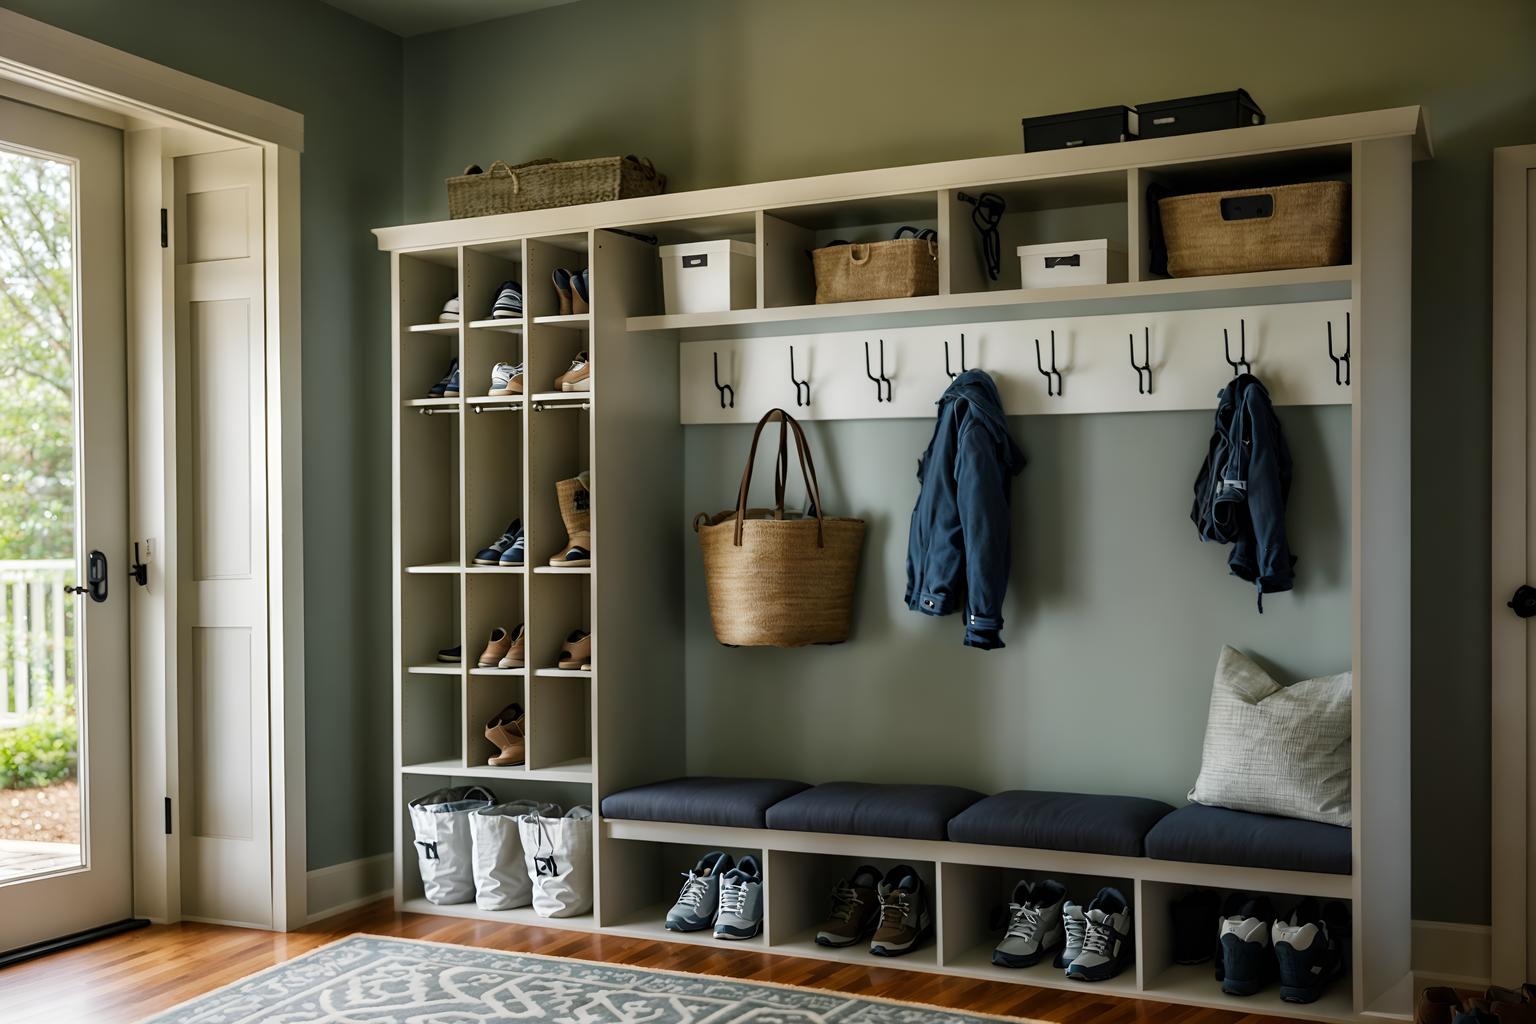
column 777, row 582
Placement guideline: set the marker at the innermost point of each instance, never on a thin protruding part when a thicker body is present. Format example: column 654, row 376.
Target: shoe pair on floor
column 508, row 305
column 1304, row 951
column 722, row 893
column 573, row 289
column 1439, row 1005
column 891, row 911
column 1091, row 943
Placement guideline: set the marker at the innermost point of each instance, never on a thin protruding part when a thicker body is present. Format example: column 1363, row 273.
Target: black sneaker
column 1310, row 949
column 1195, row 921
column 1248, row 960
column 1231, row 906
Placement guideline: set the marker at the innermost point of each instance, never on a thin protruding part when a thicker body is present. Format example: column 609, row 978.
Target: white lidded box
column 1063, row 264
column 707, row 277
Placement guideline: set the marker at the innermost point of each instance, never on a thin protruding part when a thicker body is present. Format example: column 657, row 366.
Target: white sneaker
column 450, row 313
column 506, row 379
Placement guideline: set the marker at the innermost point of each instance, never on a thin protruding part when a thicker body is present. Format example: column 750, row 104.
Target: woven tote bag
column 776, row 581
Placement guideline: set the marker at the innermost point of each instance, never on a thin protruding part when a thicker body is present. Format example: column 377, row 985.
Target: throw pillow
column 1276, row 749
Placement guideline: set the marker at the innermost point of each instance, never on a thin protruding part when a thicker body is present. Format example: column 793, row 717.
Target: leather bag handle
column 787, row 426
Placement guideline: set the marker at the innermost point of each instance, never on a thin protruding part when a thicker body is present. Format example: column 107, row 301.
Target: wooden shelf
column 1272, row 286
column 976, row 962
column 429, row 403
column 495, row 570
column 563, row 673
column 558, row 570
column 650, row 923
column 1195, row 984
column 445, row 568
column 573, row 321
column 497, row 400
column 435, row 669
column 559, row 397
column 579, row 771
column 434, row 328
column 520, row 915
column 505, row 325
column 478, row 671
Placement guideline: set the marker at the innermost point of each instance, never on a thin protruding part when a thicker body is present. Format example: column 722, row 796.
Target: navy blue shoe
column 1195, row 922
column 448, row 387
column 1310, row 946
column 493, row 555
column 1248, row 960
column 509, row 301
column 515, row 554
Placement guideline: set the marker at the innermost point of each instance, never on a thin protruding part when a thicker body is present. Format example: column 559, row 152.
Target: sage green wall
column 344, row 76
column 725, row 92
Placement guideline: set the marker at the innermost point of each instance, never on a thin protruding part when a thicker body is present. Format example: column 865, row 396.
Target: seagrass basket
column 543, row 184
column 1281, row 228
column 893, row 269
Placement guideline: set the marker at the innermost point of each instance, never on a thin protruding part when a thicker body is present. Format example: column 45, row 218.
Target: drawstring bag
column 443, row 844
column 501, row 879
column 558, row 853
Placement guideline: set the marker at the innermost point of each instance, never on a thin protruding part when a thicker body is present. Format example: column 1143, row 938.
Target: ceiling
column 414, row 17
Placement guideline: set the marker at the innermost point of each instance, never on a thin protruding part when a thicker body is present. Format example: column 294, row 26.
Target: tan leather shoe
column 579, row 376
column 500, row 643
column 577, row 653
column 506, row 731
column 576, row 553
column 514, row 656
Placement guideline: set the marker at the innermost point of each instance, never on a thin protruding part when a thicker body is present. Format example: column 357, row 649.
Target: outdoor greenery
column 41, row 751
column 37, row 484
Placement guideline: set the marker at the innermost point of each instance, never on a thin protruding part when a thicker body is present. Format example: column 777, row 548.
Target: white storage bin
column 707, row 277
column 1062, row 264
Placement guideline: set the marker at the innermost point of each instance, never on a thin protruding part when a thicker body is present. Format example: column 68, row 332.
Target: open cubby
column 544, row 256
column 561, row 449
column 429, row 504
column 800, row 896
column 791, row 232
column 641, row 908
column 431, row 713
column 493, row 481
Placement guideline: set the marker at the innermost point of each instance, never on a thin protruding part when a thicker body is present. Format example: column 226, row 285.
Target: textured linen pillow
column 1275, row 749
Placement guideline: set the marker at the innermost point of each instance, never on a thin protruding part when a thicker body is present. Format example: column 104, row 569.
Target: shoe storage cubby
column 493, row 479
column 429, row 507
column 1198, row 982
column 544, row 256
column 800, row 896
column 1067, row 209
column 975, row 908
column 560, row 450
column 653, row 875
column 790, row 233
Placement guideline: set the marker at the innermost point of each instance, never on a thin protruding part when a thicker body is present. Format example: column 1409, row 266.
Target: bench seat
column 702, row 800
column 868, row 809
column 1215, row 835
column 1071, row 822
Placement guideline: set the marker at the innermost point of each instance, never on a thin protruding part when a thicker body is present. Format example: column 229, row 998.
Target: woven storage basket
column 1307, row 228
column 542, row 184
column 777, row 582
column 893, row 269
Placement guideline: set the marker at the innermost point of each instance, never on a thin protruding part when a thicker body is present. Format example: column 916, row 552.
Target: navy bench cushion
column 703, row 800
column 1215, row 835
column 1074, row 822
column 866, row 809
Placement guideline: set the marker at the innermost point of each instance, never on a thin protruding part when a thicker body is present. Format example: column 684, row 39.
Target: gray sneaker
column 741, row 901
column 1106, row 939
column 1075, row 922
column 1034, row 924
column 699, row 898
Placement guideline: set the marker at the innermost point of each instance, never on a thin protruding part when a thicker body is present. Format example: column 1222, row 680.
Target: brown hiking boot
column 904, row 915
column 855, row 909
column 1436, row 1005
column 506, row 731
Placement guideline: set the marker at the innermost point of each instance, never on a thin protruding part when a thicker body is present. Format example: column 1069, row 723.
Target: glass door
column 65, row 845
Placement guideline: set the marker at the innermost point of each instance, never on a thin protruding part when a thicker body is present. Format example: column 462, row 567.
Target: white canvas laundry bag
column 501, row 874
column 558, row 852
column 444, row 847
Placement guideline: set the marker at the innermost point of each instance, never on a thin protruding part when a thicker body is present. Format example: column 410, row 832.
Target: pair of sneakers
column 448, row 387
column 506, row 551
column 573, row 290
column 890, row 910
column 722, row 893
column 1092, row 943
column 1304, row 951
column 508, row 305
column 506, row 379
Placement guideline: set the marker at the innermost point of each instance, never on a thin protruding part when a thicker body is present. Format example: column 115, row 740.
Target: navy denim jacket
column 1243, row 485
column 958, row 548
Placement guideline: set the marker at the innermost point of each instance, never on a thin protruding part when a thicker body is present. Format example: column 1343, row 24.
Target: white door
column 65, row 854
column 226, row 818
column 1514, row 566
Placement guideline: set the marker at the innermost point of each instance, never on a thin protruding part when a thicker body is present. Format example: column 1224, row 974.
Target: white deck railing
column 37, row 627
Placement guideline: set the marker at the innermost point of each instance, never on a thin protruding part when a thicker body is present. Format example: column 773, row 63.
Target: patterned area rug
column 367, row 979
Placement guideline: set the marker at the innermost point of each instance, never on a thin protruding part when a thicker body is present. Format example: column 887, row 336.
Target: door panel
column 227, row 845
column 63, row 676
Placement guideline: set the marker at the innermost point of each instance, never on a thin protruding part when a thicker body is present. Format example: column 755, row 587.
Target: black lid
column 1077, row 115
column 1239, row 95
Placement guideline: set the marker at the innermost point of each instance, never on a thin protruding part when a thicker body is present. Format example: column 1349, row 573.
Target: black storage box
column 1079, row 128
column 1191, row 114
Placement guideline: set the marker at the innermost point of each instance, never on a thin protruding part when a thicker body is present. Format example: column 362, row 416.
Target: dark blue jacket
column 1242, row 487
column 958, row 549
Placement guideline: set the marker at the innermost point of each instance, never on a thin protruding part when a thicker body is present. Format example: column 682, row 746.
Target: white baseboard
column 347, row 885
column 1456, row 954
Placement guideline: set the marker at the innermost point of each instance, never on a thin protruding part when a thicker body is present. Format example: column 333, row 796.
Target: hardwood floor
column 126, row 978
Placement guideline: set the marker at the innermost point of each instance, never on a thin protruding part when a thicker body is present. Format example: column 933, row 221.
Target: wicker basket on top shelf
column 542, row 184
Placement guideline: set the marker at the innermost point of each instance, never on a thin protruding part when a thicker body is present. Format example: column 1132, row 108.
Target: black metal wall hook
column 802, row 387
column 1144, row 368
column 882, row 393
column 1052, row 376
column 1241, row 363
column 1340, row 362
column 952, row 374
column 723, row 388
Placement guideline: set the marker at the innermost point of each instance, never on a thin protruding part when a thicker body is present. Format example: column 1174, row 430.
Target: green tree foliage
column 37, row 469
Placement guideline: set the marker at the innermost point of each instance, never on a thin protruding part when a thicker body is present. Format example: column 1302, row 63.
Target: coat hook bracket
column 1144, row 368
column 882, row 382
column 1241, row 363
column 1340, row 360
column 802, row 387
column 724, row 389
column 1052, row 376
column 952, row 374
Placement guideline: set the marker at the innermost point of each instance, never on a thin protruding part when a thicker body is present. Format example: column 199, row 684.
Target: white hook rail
column 1286, row 345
